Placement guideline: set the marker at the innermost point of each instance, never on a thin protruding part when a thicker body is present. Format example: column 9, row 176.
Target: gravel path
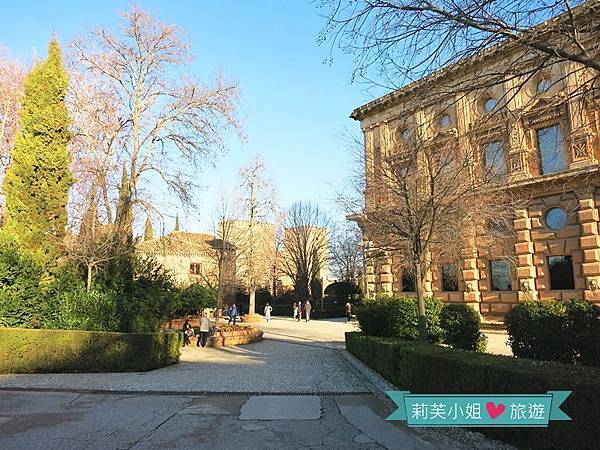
column 268, row 366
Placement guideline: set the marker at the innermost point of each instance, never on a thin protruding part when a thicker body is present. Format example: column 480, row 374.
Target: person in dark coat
column 187, row 332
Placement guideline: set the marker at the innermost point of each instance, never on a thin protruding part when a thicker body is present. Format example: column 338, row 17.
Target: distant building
column 253, row 242
column 193, row 258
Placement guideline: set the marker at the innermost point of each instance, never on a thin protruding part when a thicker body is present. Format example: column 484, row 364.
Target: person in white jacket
column 204, row 330
column 268, row 309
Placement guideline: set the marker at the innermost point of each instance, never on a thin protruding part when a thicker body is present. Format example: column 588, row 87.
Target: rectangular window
column 495, row 160
column 550, row 144
column 408, row 281
column 500, row 275
column 195, row 269
column 561, row 272
column 449, row 277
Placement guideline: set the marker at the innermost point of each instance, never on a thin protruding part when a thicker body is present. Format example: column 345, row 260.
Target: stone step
column 493, row 322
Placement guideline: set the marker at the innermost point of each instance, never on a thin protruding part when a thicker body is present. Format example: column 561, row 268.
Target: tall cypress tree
column 124, row 215
column 38, row 179
column 148, row 230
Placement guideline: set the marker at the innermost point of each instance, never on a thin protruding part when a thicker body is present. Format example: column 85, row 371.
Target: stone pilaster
column 518, row 153
column 471, row 277
column 590, row 244
column 428, row 278
column 581, row 138
column 524, row 249
column 385, row 274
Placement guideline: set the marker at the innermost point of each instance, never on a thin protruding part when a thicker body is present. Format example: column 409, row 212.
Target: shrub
column 81, row 310
column 583, row 331
column 554, row 330
column 57, row 351
column 424, row 368
column 149, row 298
column 460, row 324
column 399, row 317
column 193, row 298
column 20, row 286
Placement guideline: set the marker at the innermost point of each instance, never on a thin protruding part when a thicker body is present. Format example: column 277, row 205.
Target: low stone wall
column 245, row 335
column 231, row 335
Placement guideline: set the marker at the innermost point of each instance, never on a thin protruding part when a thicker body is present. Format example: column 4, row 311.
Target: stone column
column 526, row 271
column 590, row 244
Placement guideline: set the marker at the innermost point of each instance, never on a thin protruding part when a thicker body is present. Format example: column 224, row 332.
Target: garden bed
column 228, row 335
column 426, row 368
column 25, row 350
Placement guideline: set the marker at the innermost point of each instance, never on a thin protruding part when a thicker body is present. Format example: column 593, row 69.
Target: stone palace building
column 541, row 131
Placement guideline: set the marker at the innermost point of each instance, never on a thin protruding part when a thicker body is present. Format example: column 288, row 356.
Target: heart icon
column 495, row 410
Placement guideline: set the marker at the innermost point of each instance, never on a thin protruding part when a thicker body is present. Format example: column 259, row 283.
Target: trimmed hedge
column 555, row 330
column 461, row 325
column 399, row 317
column 59, row 351
column 425, row 369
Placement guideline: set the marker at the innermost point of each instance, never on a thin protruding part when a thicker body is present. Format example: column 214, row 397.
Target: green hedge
column 555, row 330
column 388, row 316
column 59, row 351
column 424, row 369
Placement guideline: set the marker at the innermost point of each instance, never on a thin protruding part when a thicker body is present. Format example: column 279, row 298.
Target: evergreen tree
column 176, row 222
column 148, row 230
column 37, row 182
column 124, row 216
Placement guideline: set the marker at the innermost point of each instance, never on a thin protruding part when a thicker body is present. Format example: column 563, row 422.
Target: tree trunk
column 420, row 302
column 252, row 302
column 89, row 277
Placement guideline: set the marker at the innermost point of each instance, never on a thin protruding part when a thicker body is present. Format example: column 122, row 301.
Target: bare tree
column 305, row 246
column 399, row 41
column 346, row 254
column 94, row 245
column 254, row 235
column 429, row 199
column 12, row 75
column 97, row 139
column 226, row 271
column 171, row 122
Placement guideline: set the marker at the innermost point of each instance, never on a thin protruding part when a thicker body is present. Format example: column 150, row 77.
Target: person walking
column 300, row 311
column 295, row 310
column 307, row 308
column 348, row 311
column 229, row 314
column 268, row 309
column 204, row 330
column 187, row 332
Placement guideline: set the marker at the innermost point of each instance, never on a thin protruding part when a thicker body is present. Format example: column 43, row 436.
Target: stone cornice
column 503, row 48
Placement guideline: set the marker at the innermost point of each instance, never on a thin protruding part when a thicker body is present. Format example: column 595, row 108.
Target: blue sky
column 293, row 104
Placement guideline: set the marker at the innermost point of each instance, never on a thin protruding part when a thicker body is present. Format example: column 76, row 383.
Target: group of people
column 302, row 310
column 233, row 313
column 201, row 333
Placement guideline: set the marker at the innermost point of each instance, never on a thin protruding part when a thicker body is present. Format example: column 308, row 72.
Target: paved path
column 296, row 389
